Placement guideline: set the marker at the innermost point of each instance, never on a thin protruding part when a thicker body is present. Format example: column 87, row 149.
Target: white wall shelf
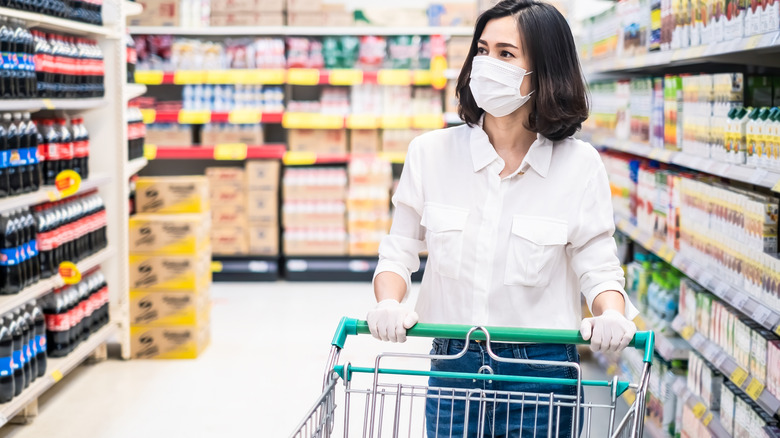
column 132, row 8
column 47, row 22
column 135, row 166
column 135, row 90
column 52, row 104
column 50, row 193
column 711, row 420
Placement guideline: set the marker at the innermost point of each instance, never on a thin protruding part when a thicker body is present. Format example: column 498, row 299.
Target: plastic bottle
column 6, row 363
column 9, row 256
column 21, row 322
column 18, row 364
column 66, row 145
column 39, row 325
column 57, row 323
column 34, row 155
column 4, row 157
column 760, row 128
column 12, row 136
column 752, row 141
column 80, row 148
column 32, row 226
column 51, row 164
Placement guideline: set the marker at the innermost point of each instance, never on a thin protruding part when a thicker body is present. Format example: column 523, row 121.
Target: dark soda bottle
column 39, row 323
column 12, row 136
column 21, row 322
column 57, row 324
column 45, row 239
column 33, row 153
column 22, row 171
column 4, row 158
column 9, row 256
column 32, row 358
column 6, row 363
column 51, row 165
column 80, row 147
column 18, row 346
column 32, row 246
column 21, row 249
column 66, row 145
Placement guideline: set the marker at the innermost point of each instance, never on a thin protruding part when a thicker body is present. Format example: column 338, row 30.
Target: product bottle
column 51, row 165
column 39, row 323
column 33, row 157
column 740, row 132
column 750, row 137
column 57, row 323
column 6, row 363
column 66, row 145
column 4, row 157
column 761, row 125
column 766, row 138
column 18, row 364
column 9, row 256
column 32, row 345
column 21, row 322
column 12, row 136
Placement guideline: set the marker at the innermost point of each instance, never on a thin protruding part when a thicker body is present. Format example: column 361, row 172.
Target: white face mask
column 495, row 86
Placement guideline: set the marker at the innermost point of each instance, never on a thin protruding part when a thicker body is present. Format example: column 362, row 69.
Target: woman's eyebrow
column 498, row 44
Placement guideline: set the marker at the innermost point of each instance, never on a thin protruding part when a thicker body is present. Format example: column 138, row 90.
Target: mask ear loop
column 528, row 96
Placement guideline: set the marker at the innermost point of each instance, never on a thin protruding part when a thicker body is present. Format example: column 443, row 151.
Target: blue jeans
column 447, row 418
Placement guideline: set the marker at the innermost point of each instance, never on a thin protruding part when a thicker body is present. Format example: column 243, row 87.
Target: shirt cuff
column 386, row 265
column 630, row 310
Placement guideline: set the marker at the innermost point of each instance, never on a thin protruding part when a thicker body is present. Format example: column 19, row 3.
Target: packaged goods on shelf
column 317, row 141
column 315, row 241
column 24, row 157
column 172, row 308
column 221, row 133
column 268, row 99
column 230, row 240
column 177, row 194
column 225, row 175
column 314, row 184
column 728, row 401
column 263, row 175
column 452, row 14
column 397, row 140
column 364, row 141
column 169, row 342
column 73, row 313
column 169, row 234
column 704, row 381
column 368, row 205
column 136, row 133
column 24, row 362
column 159, row 13
column 263, row 238
column 157, row 52
column 262, row 206
column 169, row 134
column 656, row 288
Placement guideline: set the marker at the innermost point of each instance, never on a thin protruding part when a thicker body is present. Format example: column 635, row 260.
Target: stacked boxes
column 368, row 205
column 314, row 211
column 228, row 212
column 262, row 181
column 170, row 272
column 247, row 12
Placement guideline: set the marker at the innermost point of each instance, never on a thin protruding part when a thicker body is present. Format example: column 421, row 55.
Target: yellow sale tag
column 395, row 122
column 362, row 121
column 738, row 376
column 629, row 397
column 777, row 330
column 194, row 117
column 69, row 273
column 220, row 77
column 438, row 72
column 699, row 409
column 687, row 332
column 299, row 158
column 303, row 76
column 56, row 375
column 754, row 389
column 707, row 419
column 312, row 121
column 394, row 77
column 216, row 266
column 753, row 41
column 428, row 121
column 776, row 187
column 611, row 370
column 394, row 157
column 48, row 104
column 264, row 76
column 67, row 183
column 422, row 77
column 230, row 151
column 245, row 117
column 148, row 115
column 187, row 77
column 345, row 77
column 149, row 77
column 150, row 151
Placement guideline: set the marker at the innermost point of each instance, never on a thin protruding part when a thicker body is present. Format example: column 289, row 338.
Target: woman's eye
column 506, row 54
column 481, row 51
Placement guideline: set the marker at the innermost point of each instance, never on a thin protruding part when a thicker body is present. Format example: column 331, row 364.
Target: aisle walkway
column 260, row 374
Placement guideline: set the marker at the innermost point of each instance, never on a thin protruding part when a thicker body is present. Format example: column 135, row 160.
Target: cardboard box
column 248, row 5
column 225, row 175
column 170, row 234
column 177, row 135
column 450, row 99
column 170, row 308
column 304, row 5
column 315, row 247
column 237, row 18
column 228, row 193
column 262, row 175
column 247, row 134
column 316, row 220
column 318, row 141
column 263, row 239
column 262, row 206
column 170, row 272
column 172, row 194
column 364, row 141
column 314, row 193
column 230, row 240
column 229, row 215
column 157, row 13
column 457, row 51
column 169, row 342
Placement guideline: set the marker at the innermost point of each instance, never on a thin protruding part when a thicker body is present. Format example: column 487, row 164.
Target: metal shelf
column 56, row 369
column 245, row 268
column 135, row 90
column 336, row 268
column 52, row 104
column 135, row 166
column 132, row 8
column 50, row 194
column 234, row 152
column 47, row 22
column 751, row 175
column 760, row 44
column 669, row 348
column 711, row 420
column 300, row 31
column 41, row 288
column 712, row 282
column 727, row 365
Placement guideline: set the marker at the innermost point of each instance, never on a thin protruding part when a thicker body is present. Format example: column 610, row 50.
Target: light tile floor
column 262, row 372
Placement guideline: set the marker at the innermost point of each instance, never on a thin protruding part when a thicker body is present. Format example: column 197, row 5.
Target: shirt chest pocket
column 535, row 244
column 444, row 225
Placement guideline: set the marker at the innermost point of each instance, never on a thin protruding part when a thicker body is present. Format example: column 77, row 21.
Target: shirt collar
column 483, row 153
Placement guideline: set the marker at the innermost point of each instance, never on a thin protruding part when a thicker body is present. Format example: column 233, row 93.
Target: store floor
column 260, row 375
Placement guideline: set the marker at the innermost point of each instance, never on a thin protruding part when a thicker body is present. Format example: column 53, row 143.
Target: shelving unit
column 136, row 165
column 336, row 268
column 727, row 365
column 711, row 420
column 245, row 268
column 135, row 90
column 50, row 193
column 299, row 31
column 669, row 348
column 52, row 104
column 41, row 21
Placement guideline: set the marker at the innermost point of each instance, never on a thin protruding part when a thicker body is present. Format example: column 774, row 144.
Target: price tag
column 148, row 115
column 56, row 375
column 738, row 376
column 262, row 77
column 48, row 104
column 687, row 332
column 312, row 121
column 395, row 122
column 194, row 117
column 611, row 370
column 216, row 266
column 758, row 176
column 67, row 183
column 303, row 76
column 187, row 77
column 150, row 151
column 394, row 77
column 345, row 77
column 362, row 121
column 720, row 359
column 394, row 157
column 761, row 314
column 428, row 121
column 776, row 187
column 739, row 301
column 230, row 151
column 707, row 419
column 422, row 77
column 69, row 273
column 699, row 409
column 149, row 77
column 439, row 72
column 777, row 330
column 752, row 42
column 245, row 117
column 220, row 77
column 299, row 158
column 754, row 389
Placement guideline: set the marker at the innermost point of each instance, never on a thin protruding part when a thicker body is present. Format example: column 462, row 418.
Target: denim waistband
column 479, row 345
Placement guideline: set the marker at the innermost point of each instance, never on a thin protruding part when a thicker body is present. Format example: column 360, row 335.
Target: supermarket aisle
column 258, row 377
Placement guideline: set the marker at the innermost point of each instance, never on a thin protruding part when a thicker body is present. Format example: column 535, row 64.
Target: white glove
column 389, row 320
column 610, row 332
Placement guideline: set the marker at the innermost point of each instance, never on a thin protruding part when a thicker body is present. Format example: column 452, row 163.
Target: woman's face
column 501, row 40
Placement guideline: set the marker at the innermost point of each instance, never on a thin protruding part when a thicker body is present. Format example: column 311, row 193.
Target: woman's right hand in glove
column 389, row 320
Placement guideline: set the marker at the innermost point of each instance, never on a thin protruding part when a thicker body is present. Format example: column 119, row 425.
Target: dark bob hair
column 560, row 102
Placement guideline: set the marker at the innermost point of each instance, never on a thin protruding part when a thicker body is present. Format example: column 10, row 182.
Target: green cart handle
column 349, row 326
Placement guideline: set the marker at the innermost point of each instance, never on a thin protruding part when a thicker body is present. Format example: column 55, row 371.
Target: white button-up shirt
column 514, row 251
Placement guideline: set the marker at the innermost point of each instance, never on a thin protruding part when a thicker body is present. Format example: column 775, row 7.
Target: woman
column 516, row 216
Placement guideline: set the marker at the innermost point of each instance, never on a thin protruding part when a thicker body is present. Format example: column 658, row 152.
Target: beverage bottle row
column 136, row 132
column 63, row 148
column 70, row 230
column 17, row 61
column 85, row 11
column 73, row 313
column 23, row 346
column 20, row 162
column 19, row 257
column 68, row 67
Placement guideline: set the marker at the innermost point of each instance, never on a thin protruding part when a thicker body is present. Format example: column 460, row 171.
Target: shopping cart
column 389, row 407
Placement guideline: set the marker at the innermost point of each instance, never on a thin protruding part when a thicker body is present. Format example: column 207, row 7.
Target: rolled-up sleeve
column 592, row 250
column 399, row 251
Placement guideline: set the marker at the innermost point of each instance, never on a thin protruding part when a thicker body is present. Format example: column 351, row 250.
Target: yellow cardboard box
column 169, row 308
column 170, row 272
column 172, row 194
column 169, row 342
column 169, row 234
